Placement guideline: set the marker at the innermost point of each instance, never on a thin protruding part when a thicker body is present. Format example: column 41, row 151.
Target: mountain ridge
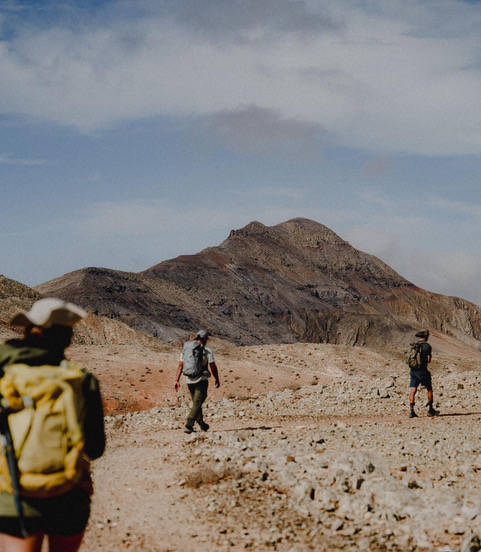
column 295, row 281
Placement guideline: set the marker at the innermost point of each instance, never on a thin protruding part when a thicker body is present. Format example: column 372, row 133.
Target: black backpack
column 192, row 357
column 414, row 355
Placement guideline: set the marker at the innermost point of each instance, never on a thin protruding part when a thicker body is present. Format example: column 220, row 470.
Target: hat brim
column 65, row 315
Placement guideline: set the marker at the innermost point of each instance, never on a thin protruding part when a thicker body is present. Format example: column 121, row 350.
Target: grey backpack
column 192, row 356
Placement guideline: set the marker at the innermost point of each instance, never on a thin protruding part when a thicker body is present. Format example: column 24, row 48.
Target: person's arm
column 94, row 430
column 215, row 373
column 177, row 376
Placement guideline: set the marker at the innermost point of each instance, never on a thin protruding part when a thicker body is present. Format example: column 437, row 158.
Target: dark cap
column 202, row 334
column 423, row 333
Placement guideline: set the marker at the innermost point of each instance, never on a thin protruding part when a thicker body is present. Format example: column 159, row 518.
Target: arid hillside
column 294, row 282
column 95, row 331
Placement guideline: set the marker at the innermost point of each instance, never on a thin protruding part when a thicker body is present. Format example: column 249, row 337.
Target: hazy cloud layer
column 382, row 76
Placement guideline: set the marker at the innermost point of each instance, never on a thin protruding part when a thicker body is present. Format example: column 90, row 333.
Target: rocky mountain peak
column 297, row 232
column 295, row 281
column 308, row 233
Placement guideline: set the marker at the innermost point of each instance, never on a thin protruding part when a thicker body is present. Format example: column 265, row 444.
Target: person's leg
column 200, row 418
column 190, row 422
column 198, row 392
column 203, row 386
column 65, row 544
column 431, row 410
column 33, row 543
column 412, row 397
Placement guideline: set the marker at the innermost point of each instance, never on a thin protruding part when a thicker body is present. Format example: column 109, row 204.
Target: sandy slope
column 295, row 430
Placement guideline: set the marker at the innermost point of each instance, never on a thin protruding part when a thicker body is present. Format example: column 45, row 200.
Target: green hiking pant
column 198, row 392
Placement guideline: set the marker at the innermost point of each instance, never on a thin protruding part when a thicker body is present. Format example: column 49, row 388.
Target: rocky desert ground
column 310, row 448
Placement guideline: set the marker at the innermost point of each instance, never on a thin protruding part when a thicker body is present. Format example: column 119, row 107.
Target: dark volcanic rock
column 296, row 281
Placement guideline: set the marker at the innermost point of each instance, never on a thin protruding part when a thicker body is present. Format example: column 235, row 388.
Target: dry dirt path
column 159, row 490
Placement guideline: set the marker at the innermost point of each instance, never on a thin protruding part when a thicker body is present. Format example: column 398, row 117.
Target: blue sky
column 133, row 132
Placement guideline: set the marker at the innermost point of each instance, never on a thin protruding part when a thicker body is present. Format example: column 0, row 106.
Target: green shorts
column 65, row 515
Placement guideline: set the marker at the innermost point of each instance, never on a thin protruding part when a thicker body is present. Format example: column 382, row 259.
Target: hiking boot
column 413, row 414
column 432, row 412
column 189, row 429
column 203, row 426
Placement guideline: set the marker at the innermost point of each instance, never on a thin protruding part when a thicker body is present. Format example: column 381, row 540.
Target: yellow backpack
column 46, row 409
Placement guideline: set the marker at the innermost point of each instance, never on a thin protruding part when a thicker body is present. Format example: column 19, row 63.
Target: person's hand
column 217, row 383
column 176, row 386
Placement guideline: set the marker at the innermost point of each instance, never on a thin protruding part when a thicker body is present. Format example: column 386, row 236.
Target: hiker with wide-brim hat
column 420, row 375
column 48, row 329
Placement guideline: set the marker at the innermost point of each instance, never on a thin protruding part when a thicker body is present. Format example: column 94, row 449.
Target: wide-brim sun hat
column 49, row 312
column 423, row 333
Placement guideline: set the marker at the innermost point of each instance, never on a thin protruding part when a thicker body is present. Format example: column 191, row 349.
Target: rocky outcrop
column 296, row 281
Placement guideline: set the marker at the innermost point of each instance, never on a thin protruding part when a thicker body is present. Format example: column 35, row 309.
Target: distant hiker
column 420, row 375
column 194, row 363
column 52, row 425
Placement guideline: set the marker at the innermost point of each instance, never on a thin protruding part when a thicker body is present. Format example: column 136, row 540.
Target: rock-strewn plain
column 329, row 460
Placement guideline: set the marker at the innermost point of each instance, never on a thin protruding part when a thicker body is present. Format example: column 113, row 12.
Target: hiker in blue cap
column 420, row 375
column 195, row 361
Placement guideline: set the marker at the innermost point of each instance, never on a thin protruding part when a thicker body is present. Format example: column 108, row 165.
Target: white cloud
column 129, row 218
column 445, row 271
column 11, row 5
column 273, row 192
column 94, row 177
column 422, row 261
column 458, row 207
column 241, row 21
column 374, row 241
column 386, row 77
column 8, row 159
column 151, row 217
column 375, row 198
column 377, row 167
